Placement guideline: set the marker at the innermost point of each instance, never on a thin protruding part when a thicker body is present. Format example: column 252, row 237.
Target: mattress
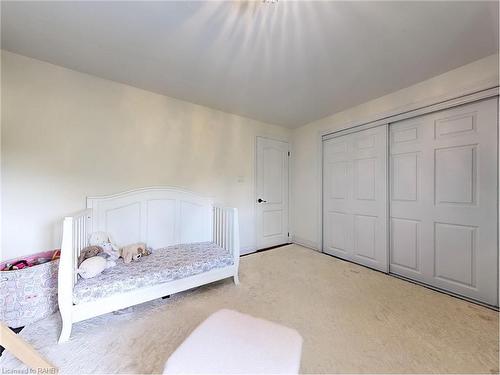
column 163, row 265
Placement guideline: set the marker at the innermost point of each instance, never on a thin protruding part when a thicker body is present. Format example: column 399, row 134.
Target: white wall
column 306, row 143
column 67, row 135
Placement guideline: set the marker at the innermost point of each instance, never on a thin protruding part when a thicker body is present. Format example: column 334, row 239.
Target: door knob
column 261, row 200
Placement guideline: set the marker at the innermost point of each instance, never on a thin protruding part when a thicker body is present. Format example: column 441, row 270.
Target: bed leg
column 66, row 325
column 236, row 279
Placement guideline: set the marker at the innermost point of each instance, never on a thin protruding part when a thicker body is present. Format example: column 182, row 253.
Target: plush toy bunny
column 110, row 252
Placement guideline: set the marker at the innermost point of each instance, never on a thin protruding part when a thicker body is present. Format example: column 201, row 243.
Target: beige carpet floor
column 353, row 320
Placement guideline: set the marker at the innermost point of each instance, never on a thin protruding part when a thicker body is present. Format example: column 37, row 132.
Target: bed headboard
column 159, row 216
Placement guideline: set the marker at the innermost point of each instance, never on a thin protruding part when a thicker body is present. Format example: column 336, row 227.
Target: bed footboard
column 75, row 236
column 226, row 233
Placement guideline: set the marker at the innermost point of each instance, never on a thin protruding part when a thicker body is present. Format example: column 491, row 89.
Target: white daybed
column 195, row 243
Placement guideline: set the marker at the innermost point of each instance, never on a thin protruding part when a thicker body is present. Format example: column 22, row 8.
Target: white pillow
column 91, row 267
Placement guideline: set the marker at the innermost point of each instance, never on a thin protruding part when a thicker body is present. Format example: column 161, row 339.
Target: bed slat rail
column 76, row 230
column 225, row 230
column 81, row 232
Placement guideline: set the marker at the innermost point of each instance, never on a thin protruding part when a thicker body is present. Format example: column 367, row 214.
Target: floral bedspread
column 164, row 265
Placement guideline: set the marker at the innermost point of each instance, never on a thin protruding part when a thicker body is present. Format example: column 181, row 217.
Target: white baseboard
column 306, row 243
column 247, row 250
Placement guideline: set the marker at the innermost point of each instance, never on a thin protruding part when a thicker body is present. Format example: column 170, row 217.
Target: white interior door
column 272, row 192
column 444, row 200
column 355, row 197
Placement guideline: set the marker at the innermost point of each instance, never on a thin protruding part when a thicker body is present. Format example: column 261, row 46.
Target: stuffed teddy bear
column 134, row 252
column 89, row 252
column 110, row 251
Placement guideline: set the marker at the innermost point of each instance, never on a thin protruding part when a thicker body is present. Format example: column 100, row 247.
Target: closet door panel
column 355, row 197
column 337, row 193
column 408, row 199
column 405, row 244
column 443, row 193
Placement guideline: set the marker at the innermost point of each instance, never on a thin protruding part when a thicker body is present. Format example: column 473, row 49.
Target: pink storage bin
column 28, row 294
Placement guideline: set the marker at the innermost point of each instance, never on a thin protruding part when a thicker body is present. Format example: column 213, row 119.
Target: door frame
column 290, row 169
column 413, row 110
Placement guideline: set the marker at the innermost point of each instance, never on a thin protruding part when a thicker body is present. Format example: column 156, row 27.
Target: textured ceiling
column 287, row 63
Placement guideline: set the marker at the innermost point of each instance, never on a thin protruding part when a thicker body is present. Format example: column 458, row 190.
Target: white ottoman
column 229, row 342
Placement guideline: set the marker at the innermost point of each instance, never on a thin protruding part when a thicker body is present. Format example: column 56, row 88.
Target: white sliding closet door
column 443, row 190
column 355, row 197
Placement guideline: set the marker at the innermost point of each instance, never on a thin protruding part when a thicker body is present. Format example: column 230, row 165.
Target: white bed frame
column 158, row 216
